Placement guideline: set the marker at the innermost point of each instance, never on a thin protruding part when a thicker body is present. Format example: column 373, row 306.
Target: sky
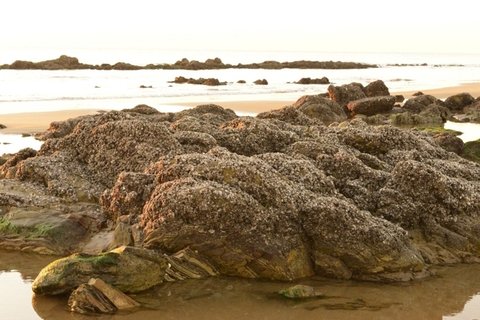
column 300, row 25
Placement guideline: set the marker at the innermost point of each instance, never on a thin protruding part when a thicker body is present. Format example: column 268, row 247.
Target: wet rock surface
column 127, row 268
column 278, row 196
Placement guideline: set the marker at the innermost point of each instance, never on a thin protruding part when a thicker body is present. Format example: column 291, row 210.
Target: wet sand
column 40, row 121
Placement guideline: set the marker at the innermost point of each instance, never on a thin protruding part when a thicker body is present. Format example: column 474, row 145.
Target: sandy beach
column 40, row 121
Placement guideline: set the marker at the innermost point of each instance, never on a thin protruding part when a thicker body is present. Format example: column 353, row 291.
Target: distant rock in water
column 241, row 81
column 65, row 62
column 206, row 82
column 262, row 82
column 125, row 66
column 2, row 126
column 323, row 80
column 305, row 64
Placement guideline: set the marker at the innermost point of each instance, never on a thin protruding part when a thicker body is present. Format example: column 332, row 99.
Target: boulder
column 419, row 103
column 376, row 89
column 371, row 106
column 472, row 112
column 457, row 102
column 127, row 268
column 2, row 126
column 263, row 82
column 346, row 93
column 289, row 114
column 323, row 109
column 240, row 224
column 242, row 81
column 399, row 98
column 431, row 115
column 449, row 142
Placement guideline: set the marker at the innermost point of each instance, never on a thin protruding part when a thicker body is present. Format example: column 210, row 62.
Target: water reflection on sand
column 452, row 294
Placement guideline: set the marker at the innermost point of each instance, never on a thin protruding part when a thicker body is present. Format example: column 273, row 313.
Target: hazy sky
column 300, row 25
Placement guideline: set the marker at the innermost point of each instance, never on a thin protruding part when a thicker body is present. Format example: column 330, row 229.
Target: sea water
column 452, row 294
column 42, row 90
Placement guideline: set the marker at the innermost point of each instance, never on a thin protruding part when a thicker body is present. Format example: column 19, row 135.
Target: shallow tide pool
column 12, row 143
column 453, row 294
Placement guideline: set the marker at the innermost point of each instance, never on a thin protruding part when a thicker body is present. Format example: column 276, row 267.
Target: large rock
column 472, row 112
column 450, row 142
column 323, row 109
column 308, row 110
column 346, row 93
column 261, row 196
column 420, row 102
column 371, row 106
column 431, row 115
column 457, row 102
column 241, row 224
column 127, row 268
column 376, row 89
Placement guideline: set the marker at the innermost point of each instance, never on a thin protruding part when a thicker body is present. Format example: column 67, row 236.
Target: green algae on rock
column 127, row 268
column 471, row 151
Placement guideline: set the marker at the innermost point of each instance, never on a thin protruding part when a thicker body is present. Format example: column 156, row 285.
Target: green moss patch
column 6, row 227
column 471, row 151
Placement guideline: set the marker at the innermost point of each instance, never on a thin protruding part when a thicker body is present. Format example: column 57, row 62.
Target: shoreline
column 34, row 122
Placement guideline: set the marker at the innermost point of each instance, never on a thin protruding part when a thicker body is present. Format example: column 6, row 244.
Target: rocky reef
column 309, row 189
column 66, row 62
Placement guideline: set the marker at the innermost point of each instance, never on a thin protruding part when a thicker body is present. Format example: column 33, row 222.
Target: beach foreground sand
column 39, row 121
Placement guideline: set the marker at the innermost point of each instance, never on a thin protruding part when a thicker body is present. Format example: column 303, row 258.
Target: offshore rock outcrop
column 65, row 62
column 279, row 196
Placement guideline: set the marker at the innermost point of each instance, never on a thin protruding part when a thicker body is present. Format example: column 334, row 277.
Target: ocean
column 40, row 90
